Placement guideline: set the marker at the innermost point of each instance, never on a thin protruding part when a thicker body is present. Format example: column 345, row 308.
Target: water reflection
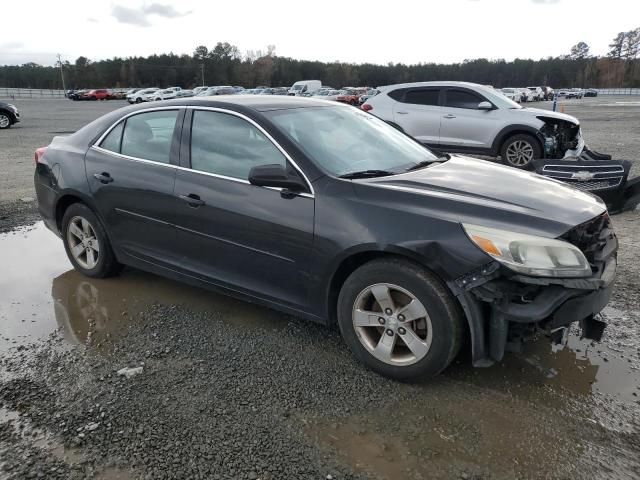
column 89, row 310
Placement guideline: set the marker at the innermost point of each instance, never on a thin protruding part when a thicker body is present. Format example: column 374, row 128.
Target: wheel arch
column 10, row 114
column 474, row 331
column 67, row 199
column 354, row 259
column 512, row 130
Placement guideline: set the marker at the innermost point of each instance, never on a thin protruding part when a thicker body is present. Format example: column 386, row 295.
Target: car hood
column 539, row 112
column 469, row 190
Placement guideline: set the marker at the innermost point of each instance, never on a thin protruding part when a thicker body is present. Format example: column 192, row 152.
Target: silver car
column 471, row 118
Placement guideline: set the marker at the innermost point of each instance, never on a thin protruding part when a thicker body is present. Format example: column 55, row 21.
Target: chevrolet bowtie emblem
column 582, row 176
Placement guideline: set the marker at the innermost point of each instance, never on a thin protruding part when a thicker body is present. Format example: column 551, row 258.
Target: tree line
column 225, row 65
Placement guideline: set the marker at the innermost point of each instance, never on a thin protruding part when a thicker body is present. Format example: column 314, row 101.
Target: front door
column 131, row 173
column 464, row 125
column 252, row 239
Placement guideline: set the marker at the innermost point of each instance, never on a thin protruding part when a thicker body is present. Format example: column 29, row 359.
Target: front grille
column 589, row 178
column 596, row 239
column 592, row 185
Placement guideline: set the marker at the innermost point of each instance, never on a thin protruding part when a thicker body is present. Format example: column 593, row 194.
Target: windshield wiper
column 367, row 174
column 442, row 157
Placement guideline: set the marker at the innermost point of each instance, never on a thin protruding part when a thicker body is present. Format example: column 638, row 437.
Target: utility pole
column 202, row 72
column 64, row 89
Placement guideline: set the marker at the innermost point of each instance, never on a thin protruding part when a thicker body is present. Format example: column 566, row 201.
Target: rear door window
column 422, row 96
column 112, row 141
column 149, row 135
column 463, row 99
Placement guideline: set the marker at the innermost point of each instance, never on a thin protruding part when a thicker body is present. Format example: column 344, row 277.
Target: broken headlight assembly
column 530, row 254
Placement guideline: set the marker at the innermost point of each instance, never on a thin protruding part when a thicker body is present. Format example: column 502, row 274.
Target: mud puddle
column 40, row 293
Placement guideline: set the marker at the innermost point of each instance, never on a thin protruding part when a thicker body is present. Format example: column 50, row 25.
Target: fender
column 512, row 129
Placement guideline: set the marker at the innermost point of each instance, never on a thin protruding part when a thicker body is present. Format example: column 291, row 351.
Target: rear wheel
column 519, row 150
column 399, row 319
column 87, row 244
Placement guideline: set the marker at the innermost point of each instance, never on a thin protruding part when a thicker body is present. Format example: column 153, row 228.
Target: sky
column 402, row 31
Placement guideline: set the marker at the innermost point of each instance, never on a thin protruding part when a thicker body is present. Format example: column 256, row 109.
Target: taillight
column 39, row 153
column 366, row 107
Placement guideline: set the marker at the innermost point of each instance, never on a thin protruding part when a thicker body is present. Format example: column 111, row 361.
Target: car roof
column 254, row 102
column 432, row 84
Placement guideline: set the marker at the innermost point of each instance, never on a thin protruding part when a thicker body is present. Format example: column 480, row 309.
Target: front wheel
column 87, row 244
column 399, row 319
column 5, row 120
column 520, row 150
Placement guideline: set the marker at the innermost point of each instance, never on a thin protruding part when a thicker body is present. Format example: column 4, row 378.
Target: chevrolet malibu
column 330, row 214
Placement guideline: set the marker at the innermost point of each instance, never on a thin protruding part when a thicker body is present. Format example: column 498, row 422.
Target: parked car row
column 528, row 94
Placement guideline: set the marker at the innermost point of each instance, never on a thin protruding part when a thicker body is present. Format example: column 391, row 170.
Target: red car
column 348, row 96
column 96, row 95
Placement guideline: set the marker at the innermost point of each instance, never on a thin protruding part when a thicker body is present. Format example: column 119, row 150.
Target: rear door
column 418, row 112
column 247, row 238
column 463, row 124
column 131, row 173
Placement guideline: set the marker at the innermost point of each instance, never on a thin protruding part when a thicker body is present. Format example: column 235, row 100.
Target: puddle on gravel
column 40, row 293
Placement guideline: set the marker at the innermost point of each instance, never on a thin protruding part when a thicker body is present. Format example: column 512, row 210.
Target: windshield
column 297, row 87
column 343, row 140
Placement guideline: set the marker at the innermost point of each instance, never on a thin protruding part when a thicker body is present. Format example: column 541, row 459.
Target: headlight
column 529, row 254
column 12, row 107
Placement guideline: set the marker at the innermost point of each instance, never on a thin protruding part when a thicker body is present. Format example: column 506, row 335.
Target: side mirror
column 275, row 176
column 485, row 106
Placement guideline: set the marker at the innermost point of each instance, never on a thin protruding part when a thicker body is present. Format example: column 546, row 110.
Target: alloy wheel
column 392, row 324
column 519, row 153
column 5, row 121
column 83, row 242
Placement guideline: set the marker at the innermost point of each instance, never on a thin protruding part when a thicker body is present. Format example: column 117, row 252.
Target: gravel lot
column 230, row 390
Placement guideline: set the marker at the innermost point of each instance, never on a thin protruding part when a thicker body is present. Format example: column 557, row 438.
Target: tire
column 440, row 330
column 5, row 120
column 138, row 100
column 93, row 262
column 519, row 150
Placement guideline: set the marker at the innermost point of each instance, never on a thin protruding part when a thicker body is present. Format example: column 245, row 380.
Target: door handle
column 449, row 115
column 103, row 177
column 193, row 200
column 402, row 113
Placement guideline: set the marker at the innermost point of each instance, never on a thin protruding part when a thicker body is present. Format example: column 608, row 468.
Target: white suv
column 470, row 118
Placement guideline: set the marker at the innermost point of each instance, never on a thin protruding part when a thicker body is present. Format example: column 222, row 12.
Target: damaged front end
column 567, row 158
column 505, row 308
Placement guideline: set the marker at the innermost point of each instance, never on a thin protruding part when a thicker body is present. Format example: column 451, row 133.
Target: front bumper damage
column 504, row 309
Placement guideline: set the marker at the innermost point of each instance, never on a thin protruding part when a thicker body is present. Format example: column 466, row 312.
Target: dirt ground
column 230, row 390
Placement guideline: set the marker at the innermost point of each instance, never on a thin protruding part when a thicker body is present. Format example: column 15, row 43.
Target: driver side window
column 226, row 145
column 463, row 99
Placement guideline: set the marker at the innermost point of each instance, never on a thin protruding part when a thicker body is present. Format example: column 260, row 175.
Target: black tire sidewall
column 537, row 149
column 106, row 258
column 429, row 290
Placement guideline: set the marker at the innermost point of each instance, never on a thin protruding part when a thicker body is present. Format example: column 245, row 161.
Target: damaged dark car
column 327, row 213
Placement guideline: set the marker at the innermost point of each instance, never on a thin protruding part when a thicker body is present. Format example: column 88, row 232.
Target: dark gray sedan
column 328, row 213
